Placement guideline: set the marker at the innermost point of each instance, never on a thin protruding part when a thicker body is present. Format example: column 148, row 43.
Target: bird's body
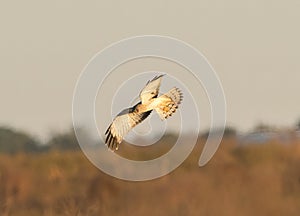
column 165, row 105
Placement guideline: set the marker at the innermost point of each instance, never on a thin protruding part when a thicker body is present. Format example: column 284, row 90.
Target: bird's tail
column 168, row 103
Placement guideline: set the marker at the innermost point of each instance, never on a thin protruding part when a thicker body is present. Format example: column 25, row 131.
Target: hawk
column 165, row 105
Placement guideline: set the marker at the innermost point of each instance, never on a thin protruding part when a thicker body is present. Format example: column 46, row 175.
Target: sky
column 252, row 45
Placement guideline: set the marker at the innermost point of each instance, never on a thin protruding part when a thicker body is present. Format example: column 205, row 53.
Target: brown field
column 249, row 180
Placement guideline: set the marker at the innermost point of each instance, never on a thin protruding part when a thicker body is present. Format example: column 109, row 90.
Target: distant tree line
column 13, row 141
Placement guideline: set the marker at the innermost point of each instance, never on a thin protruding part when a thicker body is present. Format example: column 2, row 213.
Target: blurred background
column 252, row 45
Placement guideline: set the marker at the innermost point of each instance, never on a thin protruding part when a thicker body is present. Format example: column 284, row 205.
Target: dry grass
column 248, row 180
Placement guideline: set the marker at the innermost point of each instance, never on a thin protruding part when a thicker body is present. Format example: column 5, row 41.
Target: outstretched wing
column 151, row 89
column 167, row 104
column 121, row 125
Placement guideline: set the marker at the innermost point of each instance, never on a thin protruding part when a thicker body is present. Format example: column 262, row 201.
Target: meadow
column 258, row 179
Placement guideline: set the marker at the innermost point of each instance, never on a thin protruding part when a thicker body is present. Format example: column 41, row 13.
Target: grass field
column 249, row 180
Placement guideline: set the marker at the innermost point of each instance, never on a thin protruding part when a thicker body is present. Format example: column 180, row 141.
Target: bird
column 165, row 105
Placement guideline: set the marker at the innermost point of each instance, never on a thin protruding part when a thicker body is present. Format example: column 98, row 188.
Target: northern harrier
column 165, row 105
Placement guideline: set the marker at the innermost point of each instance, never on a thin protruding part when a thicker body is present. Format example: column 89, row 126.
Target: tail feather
column 168, row 103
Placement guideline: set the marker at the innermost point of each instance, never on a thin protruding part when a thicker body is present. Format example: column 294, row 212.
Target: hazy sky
column 44, row 45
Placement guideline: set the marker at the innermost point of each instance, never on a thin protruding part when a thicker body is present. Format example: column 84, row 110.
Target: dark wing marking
column 121, row 125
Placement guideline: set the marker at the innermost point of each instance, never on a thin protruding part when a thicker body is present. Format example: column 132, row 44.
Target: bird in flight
column 165, row 105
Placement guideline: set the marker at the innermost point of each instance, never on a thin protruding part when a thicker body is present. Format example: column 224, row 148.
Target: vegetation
column 239, row 180
column 12, row 141
column 63, row 141
column 298, row 125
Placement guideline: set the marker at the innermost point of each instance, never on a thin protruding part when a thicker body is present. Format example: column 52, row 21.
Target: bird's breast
column 144, row 107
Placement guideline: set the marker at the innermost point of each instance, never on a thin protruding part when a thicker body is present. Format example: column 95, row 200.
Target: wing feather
column 167, row 104
column 121, row 125
column 151, row 89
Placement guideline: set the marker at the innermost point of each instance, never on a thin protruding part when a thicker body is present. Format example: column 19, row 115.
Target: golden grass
column 248, row 180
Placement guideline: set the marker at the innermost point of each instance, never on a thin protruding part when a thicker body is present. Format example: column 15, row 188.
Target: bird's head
column 137, row 109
